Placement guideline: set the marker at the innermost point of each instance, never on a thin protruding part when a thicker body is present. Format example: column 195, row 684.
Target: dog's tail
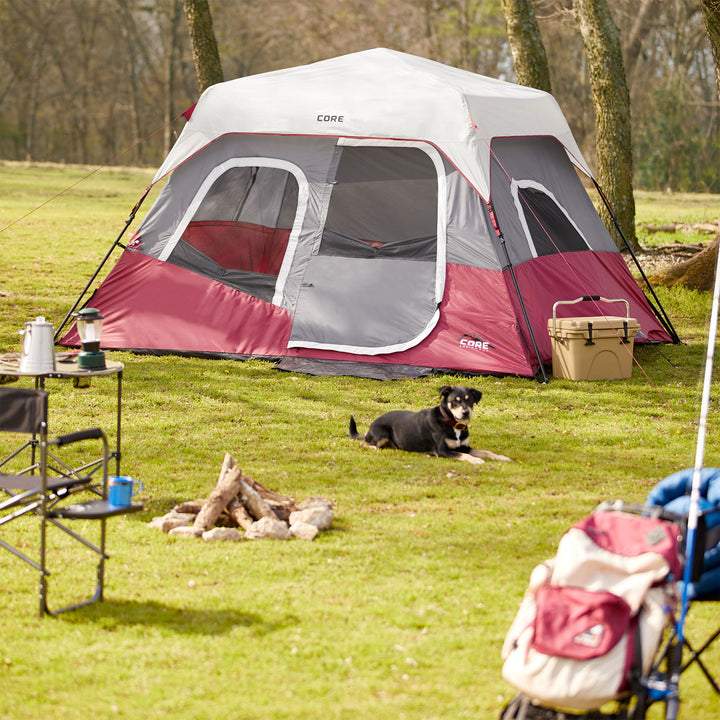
column 354, row 431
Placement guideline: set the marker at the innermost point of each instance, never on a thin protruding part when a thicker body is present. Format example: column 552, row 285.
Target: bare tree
column 172, row 60
column 526, row 44
column 204, row 46
column 611, row 103
column 711, row 14
column 644, row 12
column 698, row 272
column 84, row 80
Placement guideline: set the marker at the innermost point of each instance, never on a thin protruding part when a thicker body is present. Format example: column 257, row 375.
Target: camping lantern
column 89, row 326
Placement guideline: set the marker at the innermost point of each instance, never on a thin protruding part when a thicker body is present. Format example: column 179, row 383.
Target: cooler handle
column 586, row 298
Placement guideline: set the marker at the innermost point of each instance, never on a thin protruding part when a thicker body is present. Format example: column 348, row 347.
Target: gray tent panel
column 471, row 239
column 352, row 304
column 543, row 205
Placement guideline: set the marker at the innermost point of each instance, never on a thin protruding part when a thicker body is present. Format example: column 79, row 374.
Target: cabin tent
column 375, row 212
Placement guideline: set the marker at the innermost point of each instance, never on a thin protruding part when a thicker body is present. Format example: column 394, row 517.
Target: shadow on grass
column 116, row 614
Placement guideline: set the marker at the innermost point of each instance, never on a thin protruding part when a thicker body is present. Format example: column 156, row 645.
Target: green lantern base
column 91, row 360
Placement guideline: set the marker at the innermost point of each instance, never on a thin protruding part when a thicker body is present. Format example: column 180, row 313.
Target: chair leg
column 101, row 563
column 44, row 610
column 97, row 595
column 695, row 658
column 43, row 569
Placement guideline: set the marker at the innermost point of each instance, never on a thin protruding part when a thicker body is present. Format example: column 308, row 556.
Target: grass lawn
column 400, row 610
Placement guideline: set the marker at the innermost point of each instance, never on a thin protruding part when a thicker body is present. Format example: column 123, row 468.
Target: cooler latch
column 589, row 341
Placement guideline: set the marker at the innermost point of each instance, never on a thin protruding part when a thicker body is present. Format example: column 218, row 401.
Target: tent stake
column 133, row 212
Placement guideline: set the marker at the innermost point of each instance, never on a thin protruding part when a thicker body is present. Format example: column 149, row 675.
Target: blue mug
column 122, row 488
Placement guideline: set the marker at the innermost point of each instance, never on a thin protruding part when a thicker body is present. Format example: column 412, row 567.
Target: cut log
column 252, row 501
column 228, row 462
column 226, row 489
column 665, row 228
column 267, row 493
column 190, row 506
column 282, row 505
column 236, row 510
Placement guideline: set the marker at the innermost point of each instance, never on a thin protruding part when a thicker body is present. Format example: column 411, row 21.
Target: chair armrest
column 94, row 510
column 91, row 434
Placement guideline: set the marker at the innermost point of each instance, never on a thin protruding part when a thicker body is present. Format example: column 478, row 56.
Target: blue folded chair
column 673, row 495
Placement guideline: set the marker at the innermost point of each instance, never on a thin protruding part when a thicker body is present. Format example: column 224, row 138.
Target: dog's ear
column 444, row 391
column 476, row 395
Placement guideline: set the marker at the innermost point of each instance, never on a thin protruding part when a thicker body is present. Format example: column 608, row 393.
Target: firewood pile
column 239, row 507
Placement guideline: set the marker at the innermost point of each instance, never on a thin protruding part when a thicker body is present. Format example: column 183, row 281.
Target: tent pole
column 660, row 314
column 133, row 212
column 525, row 315
column 509, row 266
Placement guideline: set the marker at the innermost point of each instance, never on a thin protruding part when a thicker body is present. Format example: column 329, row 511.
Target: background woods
column 85, row 80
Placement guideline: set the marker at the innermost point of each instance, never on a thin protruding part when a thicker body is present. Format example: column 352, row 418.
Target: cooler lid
column 579, row 325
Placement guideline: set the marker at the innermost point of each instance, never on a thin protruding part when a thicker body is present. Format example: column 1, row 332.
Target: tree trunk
column 645, row 12
column 172, row 61
column 252, row 501
column 697, row 273
column 129, row 33
column 526, row 44
column 611, row 103
column 711, row 13
column 204, row 44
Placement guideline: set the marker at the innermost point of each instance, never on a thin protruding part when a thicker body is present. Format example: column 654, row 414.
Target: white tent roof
column 384, row 94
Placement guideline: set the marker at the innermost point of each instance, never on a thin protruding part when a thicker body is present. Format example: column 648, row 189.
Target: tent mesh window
column 239, row 233
column 550, row 228
column 383, row 204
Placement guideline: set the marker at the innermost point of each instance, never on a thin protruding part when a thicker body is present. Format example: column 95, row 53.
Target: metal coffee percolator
column 38, row 351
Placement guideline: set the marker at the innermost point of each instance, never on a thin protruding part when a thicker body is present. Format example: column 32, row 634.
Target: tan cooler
column 592, row 348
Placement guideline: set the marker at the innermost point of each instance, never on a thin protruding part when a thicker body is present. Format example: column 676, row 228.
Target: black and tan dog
column 441, row 430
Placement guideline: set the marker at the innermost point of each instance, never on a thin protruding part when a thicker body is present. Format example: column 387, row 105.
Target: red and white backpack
column 594, row 614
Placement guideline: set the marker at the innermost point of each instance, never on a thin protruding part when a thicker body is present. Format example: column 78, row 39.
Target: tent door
column 375, row 280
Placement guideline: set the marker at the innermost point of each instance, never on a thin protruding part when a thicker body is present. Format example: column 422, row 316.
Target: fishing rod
column 694, row 509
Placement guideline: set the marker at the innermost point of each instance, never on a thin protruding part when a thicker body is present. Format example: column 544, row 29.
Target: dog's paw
column 471, row 459
column 501, row 458
column 487, row 455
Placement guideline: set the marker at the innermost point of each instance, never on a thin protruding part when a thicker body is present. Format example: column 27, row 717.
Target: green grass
column 400, row 610
column 656, row 208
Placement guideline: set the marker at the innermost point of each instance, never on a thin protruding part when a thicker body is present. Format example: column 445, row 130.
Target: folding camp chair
column 673, row 495
column 40, row 487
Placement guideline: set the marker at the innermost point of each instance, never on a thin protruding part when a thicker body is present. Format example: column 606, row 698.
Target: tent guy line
column 95, row 170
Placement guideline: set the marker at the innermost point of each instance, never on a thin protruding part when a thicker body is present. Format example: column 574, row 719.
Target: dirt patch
column 660, row 257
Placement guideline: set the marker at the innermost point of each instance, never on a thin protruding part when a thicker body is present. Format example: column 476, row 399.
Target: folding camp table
column 66, row 368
